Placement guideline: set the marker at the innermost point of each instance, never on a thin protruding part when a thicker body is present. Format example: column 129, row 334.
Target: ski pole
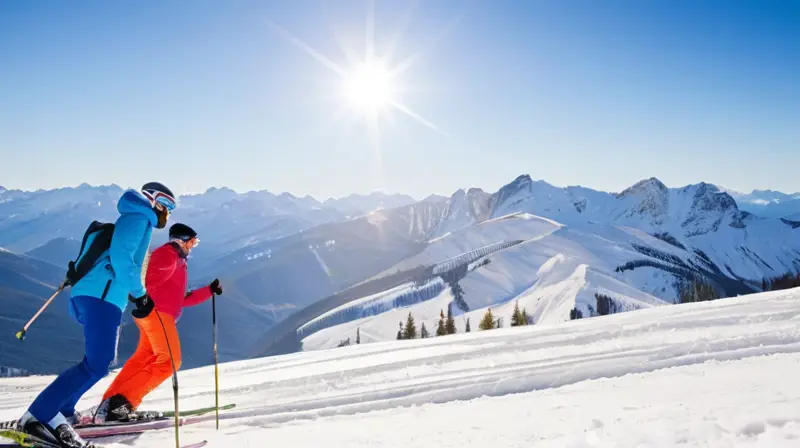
column 21, row 333
column 174, row 382
column 216, row 362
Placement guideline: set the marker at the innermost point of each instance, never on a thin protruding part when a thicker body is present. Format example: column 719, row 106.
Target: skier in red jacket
column 159, row 346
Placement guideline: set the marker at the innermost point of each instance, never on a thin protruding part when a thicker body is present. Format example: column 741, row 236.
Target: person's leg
column 100, row 330
column 141, row 357
column 100, row 322
column 163, row 340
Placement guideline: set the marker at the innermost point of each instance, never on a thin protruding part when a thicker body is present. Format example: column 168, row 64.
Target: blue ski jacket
column 118, row 272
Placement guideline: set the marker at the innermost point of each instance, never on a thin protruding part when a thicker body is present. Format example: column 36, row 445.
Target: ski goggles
column 159, row 197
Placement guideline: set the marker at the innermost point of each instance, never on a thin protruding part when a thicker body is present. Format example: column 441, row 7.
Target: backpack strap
column 103, row 233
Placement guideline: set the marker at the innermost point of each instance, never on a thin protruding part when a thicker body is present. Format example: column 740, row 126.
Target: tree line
column 785, row 281
column 447, row 325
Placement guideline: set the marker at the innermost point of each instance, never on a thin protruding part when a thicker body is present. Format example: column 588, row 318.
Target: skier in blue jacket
column 97, row 302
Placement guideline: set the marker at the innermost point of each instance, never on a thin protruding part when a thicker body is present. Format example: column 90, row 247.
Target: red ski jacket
column 166, row 282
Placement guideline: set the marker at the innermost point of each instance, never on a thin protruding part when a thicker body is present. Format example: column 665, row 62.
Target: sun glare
column 371, row 85
column 368, row 87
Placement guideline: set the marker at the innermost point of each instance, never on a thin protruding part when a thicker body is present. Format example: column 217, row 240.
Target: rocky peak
column 710, row 208
column 651, row 186
column 519, row 184
column 652, row 196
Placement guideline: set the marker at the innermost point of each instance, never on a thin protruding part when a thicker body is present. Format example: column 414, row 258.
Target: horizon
column 722, row 188
column 400, row 96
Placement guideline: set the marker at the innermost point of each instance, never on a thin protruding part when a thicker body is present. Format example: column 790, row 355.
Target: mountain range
column 304, row 274
column 553, row 250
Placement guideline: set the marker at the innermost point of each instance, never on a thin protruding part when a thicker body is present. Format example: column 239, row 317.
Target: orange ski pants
column 151, row 363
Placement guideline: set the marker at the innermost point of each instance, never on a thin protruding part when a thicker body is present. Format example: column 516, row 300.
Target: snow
column 712, row 374
column 521, row 226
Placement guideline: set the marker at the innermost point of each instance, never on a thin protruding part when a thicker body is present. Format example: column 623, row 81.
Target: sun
column 368, row 86
column 369, row 83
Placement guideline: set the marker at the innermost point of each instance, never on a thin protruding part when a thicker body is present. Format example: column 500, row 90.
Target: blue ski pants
column 101, row 321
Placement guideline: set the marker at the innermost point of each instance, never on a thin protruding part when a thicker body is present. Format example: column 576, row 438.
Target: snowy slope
column 552, row 271
column 713, row 374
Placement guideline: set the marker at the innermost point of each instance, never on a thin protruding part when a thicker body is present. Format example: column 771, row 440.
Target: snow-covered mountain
column 356, row 205
column 712, row 374
column 768, row 203
column 227, row 220
column 31, row 219
column 554, row 250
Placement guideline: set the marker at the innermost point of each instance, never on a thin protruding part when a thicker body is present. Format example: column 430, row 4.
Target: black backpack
column 98, row 236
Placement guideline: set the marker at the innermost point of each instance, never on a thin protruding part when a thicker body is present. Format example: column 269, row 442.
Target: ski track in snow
column 714, row 374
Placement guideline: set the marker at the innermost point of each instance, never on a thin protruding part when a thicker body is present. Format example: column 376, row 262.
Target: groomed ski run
column 711, row 374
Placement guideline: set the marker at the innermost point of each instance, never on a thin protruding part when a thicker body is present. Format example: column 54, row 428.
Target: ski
column 154, row 416
column 39, row 437
column 21, row 439
column 137, row 427
column 118, row 429
column 199, row 411
column 196, row 445
column 115, row 428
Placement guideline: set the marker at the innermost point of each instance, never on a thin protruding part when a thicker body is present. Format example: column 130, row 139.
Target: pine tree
column 487, row 323
column 358, row 335
column 440, row 330
column 450, row 324
column 468, row 329
column 575, row 313
column 696, row 290
column 605, row 304
column 400, row 332
column 411, row 328
column 423, row 332
column 516, row 317
column 527, row 319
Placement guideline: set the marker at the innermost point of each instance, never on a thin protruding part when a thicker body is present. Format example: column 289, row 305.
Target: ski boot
column 63, row 435
column 114, row 410
column 68, row 438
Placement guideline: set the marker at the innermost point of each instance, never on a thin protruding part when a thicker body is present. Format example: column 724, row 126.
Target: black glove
column 216, row 288
column 144, row 306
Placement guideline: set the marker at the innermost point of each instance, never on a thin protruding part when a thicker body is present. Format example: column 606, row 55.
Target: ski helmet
column 182, row 232
column 157, row 192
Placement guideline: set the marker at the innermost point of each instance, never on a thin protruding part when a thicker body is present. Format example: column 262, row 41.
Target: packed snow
column 711, row 374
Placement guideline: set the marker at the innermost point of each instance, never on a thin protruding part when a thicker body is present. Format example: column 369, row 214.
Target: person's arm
column 197, row 296
column 128, row 233
column 162, row 265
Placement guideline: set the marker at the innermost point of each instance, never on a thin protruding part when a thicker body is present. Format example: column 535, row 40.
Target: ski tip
column 196, row 445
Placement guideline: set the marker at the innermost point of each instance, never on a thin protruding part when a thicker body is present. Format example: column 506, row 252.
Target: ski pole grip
column 21, row 334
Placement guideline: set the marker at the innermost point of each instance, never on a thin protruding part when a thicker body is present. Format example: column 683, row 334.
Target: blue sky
column 594, row 93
